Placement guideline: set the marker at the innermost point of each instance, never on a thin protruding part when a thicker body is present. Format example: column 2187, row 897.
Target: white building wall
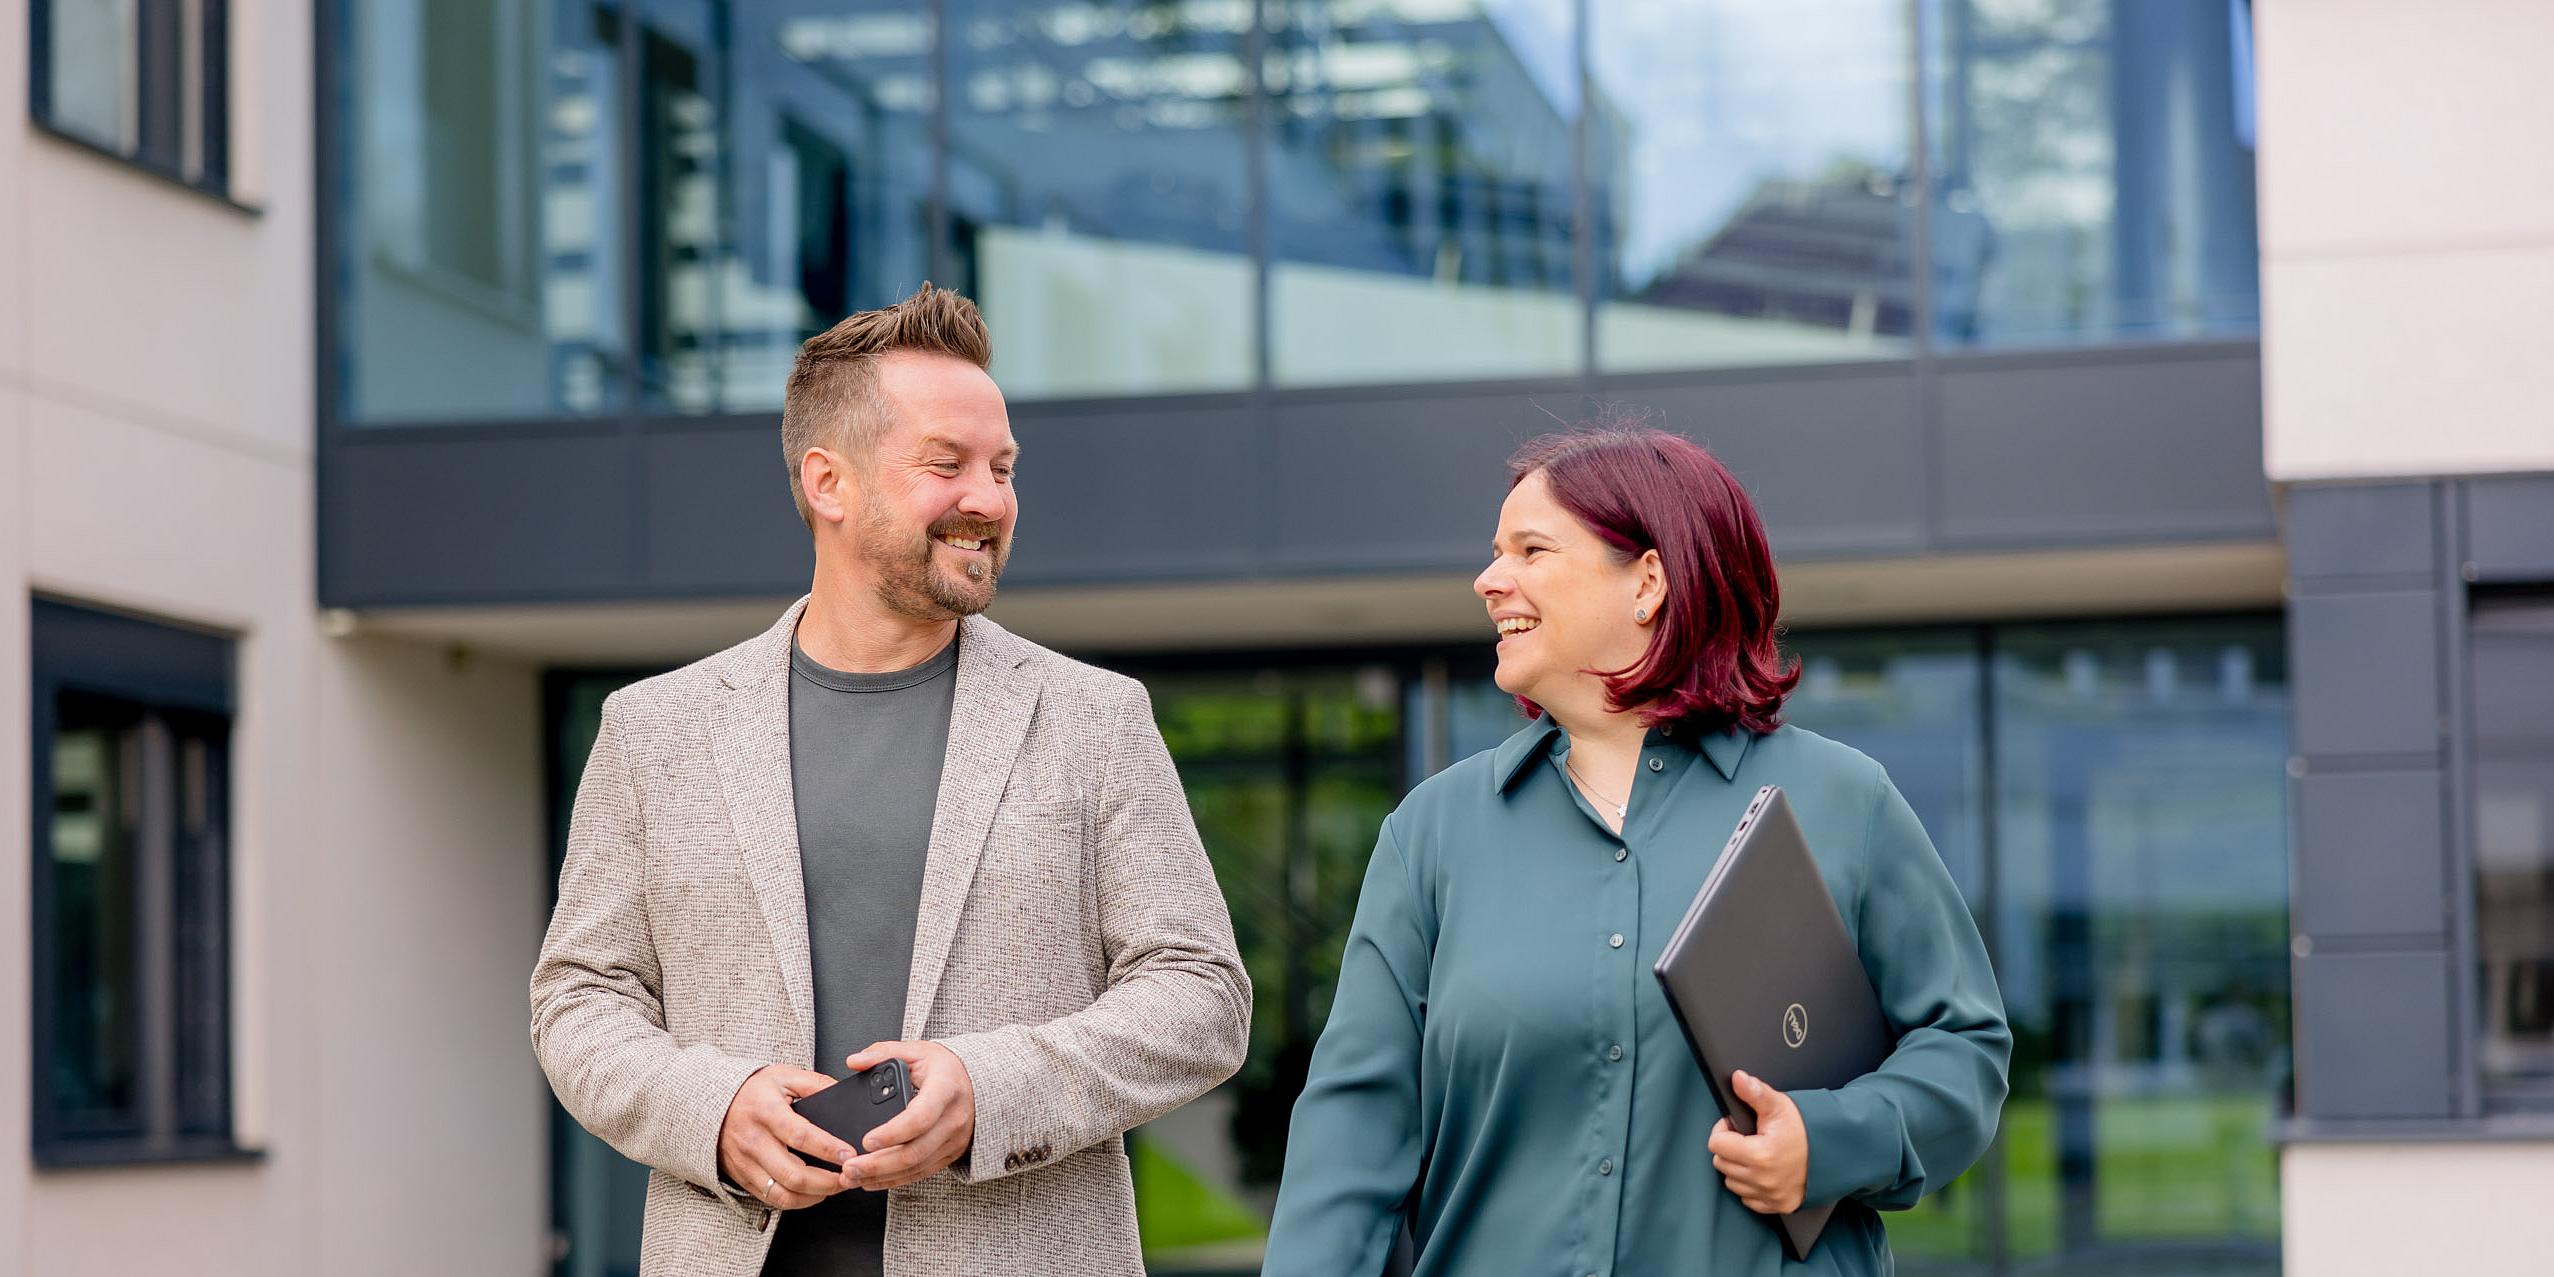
column 2407, row 237
column 156, row 455
column 2384, row 1210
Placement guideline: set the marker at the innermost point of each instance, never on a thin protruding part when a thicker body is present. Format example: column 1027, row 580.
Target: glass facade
column 604, row 209
column 2092, row 170
column 2110, row 796
column 2140, row 927
column 1099, row 192
column 481, row 196
column 1753, row 181
column 1421, row 190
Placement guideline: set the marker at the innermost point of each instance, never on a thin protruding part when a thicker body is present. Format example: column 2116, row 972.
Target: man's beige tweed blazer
column 1072, row 949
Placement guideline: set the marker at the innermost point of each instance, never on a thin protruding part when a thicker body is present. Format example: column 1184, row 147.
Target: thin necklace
column 1591, row 791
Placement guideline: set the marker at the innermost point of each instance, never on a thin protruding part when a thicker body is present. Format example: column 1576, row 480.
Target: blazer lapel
column 750, row 742
column 987, row 722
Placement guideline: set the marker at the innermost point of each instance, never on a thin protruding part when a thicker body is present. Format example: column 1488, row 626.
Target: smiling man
column 887, row 828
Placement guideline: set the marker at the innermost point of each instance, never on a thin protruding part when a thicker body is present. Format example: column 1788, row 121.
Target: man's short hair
column 833, row 400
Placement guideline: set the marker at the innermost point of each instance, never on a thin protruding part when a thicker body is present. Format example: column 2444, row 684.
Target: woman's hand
column 1769, row 1169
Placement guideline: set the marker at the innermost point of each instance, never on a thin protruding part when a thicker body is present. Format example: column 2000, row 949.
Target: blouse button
column 1605, row 1167
column 1657, row 766
column 1615, row 940
column 1620, row 853
column 1614, row 1052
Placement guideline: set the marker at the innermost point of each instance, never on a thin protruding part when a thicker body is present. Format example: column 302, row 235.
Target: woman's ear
column 1649, row 597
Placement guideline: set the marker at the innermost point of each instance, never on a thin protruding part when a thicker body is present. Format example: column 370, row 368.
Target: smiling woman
column 1702, row 618
column 1499, row 1075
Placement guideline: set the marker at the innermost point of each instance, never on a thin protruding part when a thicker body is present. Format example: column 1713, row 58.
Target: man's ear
column 826, row 483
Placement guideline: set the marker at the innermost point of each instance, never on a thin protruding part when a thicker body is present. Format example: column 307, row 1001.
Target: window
column 2513, row 657
column 1093, row 147
column 2092, row 170
column 147, row 81
column 1753, row 181
column 1422, row 206
column 131, row 753
column 484, row 201
column 2110, row 797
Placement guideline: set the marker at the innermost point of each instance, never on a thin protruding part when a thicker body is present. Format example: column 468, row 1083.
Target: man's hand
column 1769, row 1170
column 759, row 1142
column 933, row 1131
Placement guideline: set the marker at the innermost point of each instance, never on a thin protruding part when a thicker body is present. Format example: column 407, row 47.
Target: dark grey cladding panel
column 2510, row 528
column 1834, row 462
column 2371, row 854
column 2107, row 450
column 718, row 515
column 2101, row 447
column 2372, row 1033
column 481, row 516
column 1133, row 490
column 2361, row 529
column 1409, row 482
column 2363, row 669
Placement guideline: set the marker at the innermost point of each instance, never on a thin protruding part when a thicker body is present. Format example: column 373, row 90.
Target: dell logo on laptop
column 1795, row 1024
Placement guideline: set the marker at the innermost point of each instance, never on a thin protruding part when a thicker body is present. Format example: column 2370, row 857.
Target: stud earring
column 1640, row 614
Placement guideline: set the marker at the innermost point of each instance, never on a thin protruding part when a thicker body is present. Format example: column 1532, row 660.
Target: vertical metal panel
column 2370, row 854
column 2345, row 530
column 2454, row 626
column 2364, row 673
column 2509, row 527
column 2373, row 1033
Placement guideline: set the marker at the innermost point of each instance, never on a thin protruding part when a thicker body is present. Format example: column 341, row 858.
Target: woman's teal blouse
column 1498, row 1044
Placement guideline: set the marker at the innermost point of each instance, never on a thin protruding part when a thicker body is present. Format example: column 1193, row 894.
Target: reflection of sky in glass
column 1716, row 98
column 1539, row 32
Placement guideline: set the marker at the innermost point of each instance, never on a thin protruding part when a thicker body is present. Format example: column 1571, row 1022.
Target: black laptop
column 1764, row 978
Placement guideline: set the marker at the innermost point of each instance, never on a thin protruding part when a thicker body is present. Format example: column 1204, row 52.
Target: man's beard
column 911, row 584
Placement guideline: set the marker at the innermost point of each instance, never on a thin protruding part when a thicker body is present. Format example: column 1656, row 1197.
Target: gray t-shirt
column 864, row 761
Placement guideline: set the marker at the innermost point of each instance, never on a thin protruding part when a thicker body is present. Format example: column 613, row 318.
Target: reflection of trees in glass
column 2092, row 171
column 2131, row 879
column 1289, row 775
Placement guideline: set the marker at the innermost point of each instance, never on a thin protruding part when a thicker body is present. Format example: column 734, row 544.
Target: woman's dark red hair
column 1712, row 661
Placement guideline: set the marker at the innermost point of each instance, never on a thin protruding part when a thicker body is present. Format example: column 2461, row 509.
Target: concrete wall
column 156, row 443
column 2407, row 237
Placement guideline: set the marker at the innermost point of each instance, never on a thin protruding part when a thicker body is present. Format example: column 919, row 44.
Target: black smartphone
column 853, row 1107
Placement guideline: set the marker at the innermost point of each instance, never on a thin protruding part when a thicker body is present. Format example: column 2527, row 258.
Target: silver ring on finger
column 771, row 1184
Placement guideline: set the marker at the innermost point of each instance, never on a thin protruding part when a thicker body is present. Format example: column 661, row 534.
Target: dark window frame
column 180, row 685
column 181, row 130
column 2496, row 1095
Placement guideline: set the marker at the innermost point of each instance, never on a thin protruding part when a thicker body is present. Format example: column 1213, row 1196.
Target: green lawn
column 2183, row 1169
column 2176, row 1169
